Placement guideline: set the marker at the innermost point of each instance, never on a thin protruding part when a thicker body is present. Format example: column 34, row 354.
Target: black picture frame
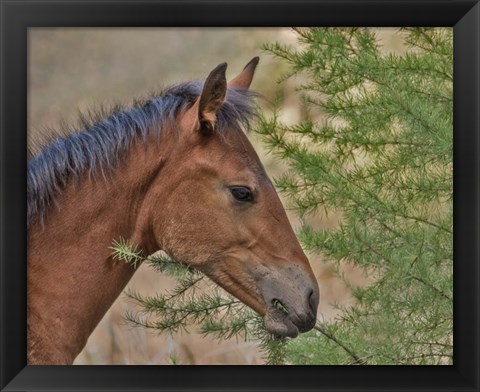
column 18, row 15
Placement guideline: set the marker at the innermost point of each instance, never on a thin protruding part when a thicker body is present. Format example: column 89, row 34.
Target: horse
column 177, row 173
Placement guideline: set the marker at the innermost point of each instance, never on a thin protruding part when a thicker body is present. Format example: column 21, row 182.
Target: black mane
column 105, row 138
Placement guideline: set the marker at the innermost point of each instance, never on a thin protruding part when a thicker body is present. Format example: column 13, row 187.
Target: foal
column 176, row 173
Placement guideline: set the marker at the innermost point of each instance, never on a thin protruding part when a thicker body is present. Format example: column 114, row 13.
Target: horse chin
column 279, row 324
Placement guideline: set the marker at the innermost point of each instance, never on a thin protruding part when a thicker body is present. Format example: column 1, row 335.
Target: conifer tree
column 376, row 148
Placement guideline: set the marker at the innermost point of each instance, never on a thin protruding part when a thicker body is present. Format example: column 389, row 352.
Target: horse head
column 223, row 216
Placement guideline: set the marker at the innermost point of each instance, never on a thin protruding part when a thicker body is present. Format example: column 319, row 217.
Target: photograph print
column 240, row 196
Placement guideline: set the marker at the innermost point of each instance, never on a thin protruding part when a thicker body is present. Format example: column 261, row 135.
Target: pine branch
column 218, row 314
column 357, row 359
column 124, row 251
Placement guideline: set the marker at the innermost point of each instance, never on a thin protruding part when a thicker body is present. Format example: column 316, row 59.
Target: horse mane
column 105, row 136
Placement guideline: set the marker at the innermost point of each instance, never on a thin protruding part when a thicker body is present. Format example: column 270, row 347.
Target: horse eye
column 242, row 193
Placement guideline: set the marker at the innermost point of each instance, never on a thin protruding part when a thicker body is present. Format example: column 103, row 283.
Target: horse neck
column 72, row 278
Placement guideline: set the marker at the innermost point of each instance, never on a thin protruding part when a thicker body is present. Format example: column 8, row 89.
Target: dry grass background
column 76, row 69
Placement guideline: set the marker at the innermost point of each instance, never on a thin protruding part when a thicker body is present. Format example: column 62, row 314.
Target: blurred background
column 72, row 70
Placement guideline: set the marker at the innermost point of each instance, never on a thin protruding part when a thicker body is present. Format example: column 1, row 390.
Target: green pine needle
column 126, row 252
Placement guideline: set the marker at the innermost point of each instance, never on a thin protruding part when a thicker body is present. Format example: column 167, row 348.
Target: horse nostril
column 312, row 301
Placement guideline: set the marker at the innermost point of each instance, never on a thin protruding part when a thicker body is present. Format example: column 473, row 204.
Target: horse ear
column 244, row 79
column 202, row 115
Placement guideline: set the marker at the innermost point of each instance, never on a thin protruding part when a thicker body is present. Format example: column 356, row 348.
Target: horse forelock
column 105, row 137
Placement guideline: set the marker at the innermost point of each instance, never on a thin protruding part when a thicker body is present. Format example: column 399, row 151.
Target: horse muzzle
column 291, row 301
